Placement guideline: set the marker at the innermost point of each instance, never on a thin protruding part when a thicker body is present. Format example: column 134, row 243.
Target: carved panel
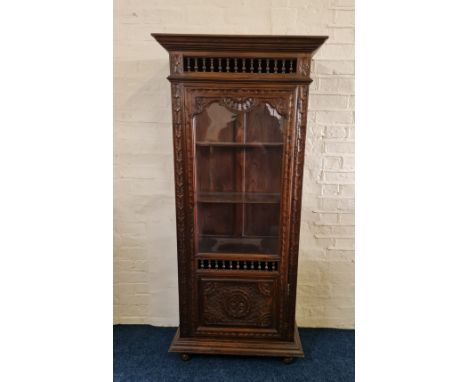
column 236, row 104
column 304, row 66
column 239, row 104
column 237, row 303
column 177, row 65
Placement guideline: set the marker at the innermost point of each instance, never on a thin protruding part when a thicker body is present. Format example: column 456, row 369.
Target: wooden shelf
column 235, row 244
column 241, row 145
column 238, row 197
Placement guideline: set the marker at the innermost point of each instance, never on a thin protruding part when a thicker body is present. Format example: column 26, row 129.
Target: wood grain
column 239, row 140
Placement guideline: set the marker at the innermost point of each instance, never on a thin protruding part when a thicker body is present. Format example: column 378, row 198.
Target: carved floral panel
column 237, row 303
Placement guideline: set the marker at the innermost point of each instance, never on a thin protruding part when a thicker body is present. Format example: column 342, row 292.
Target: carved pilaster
column 180, row 194
column 299, row 152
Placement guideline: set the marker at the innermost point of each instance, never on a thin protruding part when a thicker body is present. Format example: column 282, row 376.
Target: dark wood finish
column 239, row 43
column 239, row 121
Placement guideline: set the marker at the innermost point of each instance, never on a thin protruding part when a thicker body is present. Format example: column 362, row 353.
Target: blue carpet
column 140, row 355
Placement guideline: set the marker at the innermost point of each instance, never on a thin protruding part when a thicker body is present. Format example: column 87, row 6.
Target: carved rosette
column 266, row 320
column 177, row 63
column 280, row 104
column 304, row 66
column 265, row 289
column 209, row 288
column 200, row 103
column 238, row 304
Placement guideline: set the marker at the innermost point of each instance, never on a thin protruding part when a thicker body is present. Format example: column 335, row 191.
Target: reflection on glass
column 238, row 178
column 216, row 124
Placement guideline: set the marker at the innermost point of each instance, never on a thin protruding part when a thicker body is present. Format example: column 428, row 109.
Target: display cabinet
column 239, row 108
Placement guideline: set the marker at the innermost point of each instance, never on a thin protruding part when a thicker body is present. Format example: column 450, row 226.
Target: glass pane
column 238, row 178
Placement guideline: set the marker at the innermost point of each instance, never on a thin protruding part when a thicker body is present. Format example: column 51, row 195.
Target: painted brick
column 342, row 243
column 329, row 218
column 328, row 102
column 334, row 67
column 347, row 254
column 338, row 177
column 328, row 117
column 243, row 16
column 336, row 85
column 335, row 132
column 344, row 17
column 334, row 231
column 332, row 163
column 339, row 147
column 332, row 204
column 348, row 163
column 343, row 3
column 346, row 189
column 283, row 20
column 346, row 218
column 336, row 52
column 342, row 35
column 330, row 189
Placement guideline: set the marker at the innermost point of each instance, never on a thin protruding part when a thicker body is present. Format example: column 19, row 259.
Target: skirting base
column 197, row 345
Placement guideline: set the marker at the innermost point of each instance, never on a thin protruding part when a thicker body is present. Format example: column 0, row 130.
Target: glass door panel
column 238, row 178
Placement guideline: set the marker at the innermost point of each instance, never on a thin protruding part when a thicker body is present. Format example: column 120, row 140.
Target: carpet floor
column 140, row 355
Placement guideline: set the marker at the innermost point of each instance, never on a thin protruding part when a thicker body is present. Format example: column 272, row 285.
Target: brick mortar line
column 321, row 182
column 333, row 76
column 335, row 197
column 335, row 224
column 335, row 140
column 341, row 43
column 333, row 59
column 340, row 26
column 324, row 93
column 332, row 110
column 331, row 236
column 338, row 155
column 344, row 212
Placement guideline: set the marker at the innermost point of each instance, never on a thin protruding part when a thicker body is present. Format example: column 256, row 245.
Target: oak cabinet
column 239, row 108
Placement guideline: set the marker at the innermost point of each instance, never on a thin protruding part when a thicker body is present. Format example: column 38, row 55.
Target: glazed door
column 239, row 148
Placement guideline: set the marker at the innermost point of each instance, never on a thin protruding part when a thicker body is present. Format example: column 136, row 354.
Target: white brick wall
column 145, row 270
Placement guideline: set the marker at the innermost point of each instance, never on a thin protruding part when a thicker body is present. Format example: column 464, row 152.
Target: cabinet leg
column 288, row 360
column 185, row 356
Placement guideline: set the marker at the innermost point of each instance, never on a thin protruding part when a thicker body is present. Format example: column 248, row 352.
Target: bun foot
column 288, row 360
column 185, row 357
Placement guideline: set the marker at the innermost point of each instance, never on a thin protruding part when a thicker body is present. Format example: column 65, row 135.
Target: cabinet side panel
column 298, row 169
column 180, row 173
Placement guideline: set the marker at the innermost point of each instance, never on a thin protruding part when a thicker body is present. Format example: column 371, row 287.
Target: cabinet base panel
column 238, row 347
